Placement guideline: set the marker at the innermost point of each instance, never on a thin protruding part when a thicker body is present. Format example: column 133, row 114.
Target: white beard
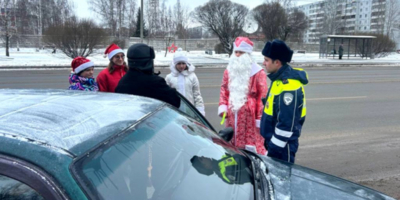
column 239, row 71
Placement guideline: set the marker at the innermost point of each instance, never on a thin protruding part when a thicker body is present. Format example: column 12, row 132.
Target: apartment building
column 351, row 17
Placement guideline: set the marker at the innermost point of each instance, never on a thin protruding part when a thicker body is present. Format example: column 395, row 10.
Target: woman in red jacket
column 109, row 77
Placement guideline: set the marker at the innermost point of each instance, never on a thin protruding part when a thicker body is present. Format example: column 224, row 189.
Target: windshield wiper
column 261, row 177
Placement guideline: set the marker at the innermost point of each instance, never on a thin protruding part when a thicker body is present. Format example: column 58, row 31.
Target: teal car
column 57, row 144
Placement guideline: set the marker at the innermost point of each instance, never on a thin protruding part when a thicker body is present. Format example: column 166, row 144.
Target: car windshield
column 165, row 156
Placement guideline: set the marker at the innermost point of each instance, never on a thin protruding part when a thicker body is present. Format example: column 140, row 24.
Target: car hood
column 308, row 184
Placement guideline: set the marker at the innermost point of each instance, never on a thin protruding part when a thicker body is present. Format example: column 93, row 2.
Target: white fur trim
column 251, row 148
column 112, row 53
column 255, row 68
column 222, row 108
column 84, row 66
column 243, row 47
column 258, row 123
column 201, row 110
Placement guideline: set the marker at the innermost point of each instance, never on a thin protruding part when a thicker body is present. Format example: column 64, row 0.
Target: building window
column 365, row 28
column 360, row 16
column 366, row 15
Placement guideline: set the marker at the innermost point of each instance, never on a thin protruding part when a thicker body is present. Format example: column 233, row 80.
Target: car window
column 187, row 108
column 13, row 189
column 166, row 156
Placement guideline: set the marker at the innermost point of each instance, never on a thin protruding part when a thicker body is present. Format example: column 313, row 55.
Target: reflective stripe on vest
column 224, row 164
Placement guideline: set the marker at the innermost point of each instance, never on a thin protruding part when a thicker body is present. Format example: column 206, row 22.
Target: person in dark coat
column 141, row 79
column 340, row 51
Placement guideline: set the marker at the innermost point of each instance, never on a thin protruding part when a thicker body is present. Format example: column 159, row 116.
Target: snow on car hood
column 65, row 118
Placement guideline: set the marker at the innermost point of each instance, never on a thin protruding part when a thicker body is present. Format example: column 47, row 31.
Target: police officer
column 285, row 108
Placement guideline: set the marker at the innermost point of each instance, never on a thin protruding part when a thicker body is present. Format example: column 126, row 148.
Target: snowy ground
column 28, row 57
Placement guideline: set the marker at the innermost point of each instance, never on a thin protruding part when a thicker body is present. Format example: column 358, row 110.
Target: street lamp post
column 40, row 24
column 141, row 20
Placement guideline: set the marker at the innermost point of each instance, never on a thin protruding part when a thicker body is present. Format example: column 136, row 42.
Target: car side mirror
column 226, row 134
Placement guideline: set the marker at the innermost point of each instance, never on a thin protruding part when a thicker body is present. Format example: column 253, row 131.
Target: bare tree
column 152, row 13
column 170, row 21
column 182, row 19
column 331, row 18
column 131, row 9
column 118, row 15
column 195, row 33
column 277, row 22
column 224, row 18
column 286, row 4
column 163, row 16
column 49, row 12
column 297, row 22
column 392, row 16
column 75, row 37
column 271, row 18
column 7, row 14
column 34, row 16
column 25, row 23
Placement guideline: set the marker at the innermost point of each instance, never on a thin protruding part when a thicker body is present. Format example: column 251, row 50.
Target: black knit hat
column 277, row 50
column 199, row 166
column 141, row 56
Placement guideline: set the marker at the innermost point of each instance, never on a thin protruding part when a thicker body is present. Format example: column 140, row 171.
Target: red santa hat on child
column 79, row 64
column 243, row 44
column 112, row 50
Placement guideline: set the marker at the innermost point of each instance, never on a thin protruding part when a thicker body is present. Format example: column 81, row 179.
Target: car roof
column 74, row 121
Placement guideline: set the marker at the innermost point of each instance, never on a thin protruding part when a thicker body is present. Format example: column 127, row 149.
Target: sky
column 82, row 7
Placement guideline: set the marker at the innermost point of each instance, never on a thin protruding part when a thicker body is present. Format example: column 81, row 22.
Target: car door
column 24, row 181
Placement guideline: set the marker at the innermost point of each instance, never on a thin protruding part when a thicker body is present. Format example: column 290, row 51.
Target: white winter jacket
column 187, row 84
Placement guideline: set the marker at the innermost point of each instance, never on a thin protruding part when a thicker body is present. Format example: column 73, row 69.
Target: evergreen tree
column 138, row 22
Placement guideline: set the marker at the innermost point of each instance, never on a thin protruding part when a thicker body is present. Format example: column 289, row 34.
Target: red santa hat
column 79, row 64
column 112, row 50
column 243, row 44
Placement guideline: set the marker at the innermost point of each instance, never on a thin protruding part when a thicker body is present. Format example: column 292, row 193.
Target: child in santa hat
column 81, row 77
column 183, row 78
column 109, row 77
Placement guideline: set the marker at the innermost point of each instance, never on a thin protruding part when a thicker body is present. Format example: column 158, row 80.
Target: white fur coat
column 187, row 84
